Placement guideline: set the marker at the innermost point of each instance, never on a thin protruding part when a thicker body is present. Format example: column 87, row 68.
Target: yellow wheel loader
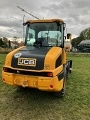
column 41, row 63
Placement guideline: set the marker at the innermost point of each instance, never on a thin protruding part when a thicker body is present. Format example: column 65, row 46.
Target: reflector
column 51, row 86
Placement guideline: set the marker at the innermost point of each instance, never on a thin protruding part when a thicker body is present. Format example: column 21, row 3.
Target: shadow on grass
column 30, row 99
column 32, row 93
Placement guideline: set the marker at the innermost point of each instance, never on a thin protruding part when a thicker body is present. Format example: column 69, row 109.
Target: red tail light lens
column 49, row 74
column 5, row 69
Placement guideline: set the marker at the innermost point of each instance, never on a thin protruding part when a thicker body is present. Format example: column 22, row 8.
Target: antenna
column 27, row 12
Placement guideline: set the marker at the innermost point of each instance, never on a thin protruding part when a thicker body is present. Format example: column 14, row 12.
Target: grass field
column 31, row 104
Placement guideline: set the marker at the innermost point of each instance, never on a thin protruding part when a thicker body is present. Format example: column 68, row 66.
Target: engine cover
column 30, row 58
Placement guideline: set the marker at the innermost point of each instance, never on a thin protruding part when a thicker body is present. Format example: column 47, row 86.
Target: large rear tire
column 62, row 92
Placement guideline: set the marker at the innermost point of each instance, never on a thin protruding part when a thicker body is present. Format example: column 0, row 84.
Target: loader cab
column 45, row 33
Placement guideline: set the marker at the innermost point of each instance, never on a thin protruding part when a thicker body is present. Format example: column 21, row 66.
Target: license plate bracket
column 25, row 83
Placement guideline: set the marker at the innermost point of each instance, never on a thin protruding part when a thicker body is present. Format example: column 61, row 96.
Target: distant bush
column 5, row 50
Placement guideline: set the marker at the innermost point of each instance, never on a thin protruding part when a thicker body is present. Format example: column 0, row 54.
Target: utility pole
column 24, row 17
column 23, row 26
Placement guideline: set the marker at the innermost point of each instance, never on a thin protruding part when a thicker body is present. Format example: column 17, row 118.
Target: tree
column 5, row 41
column 1, row 42
column 76, row 41
column 15, row 39
column 84, row 35
column 9, row 44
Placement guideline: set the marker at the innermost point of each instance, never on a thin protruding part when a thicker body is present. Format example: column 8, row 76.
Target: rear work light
column 49, row 74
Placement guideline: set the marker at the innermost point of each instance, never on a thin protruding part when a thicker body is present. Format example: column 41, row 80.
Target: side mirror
column 24, row 24
column 69, row 36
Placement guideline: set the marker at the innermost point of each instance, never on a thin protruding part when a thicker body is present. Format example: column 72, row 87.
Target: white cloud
column 75, row 13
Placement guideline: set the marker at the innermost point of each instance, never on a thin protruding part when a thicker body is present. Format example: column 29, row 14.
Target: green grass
column 32, row 104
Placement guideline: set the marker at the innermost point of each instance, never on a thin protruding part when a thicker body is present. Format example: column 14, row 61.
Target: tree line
column 84, row 35
column 5, row 44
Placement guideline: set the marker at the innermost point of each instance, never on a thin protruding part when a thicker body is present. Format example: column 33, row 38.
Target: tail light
column 49, row 74
column 5, row 69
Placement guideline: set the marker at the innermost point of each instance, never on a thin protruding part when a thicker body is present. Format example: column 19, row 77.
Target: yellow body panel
column 42, row 83
column 52, row 56
column 63, row 56
column 9, row 56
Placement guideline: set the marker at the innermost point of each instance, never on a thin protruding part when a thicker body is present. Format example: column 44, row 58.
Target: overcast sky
column 75, row 13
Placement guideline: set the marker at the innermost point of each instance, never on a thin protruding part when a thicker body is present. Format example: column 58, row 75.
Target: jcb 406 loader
column 41, row 63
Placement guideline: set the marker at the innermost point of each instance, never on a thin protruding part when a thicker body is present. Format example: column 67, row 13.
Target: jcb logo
column 27, row 61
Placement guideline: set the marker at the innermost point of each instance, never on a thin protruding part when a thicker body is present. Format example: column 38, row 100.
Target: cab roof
column 45, row 20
